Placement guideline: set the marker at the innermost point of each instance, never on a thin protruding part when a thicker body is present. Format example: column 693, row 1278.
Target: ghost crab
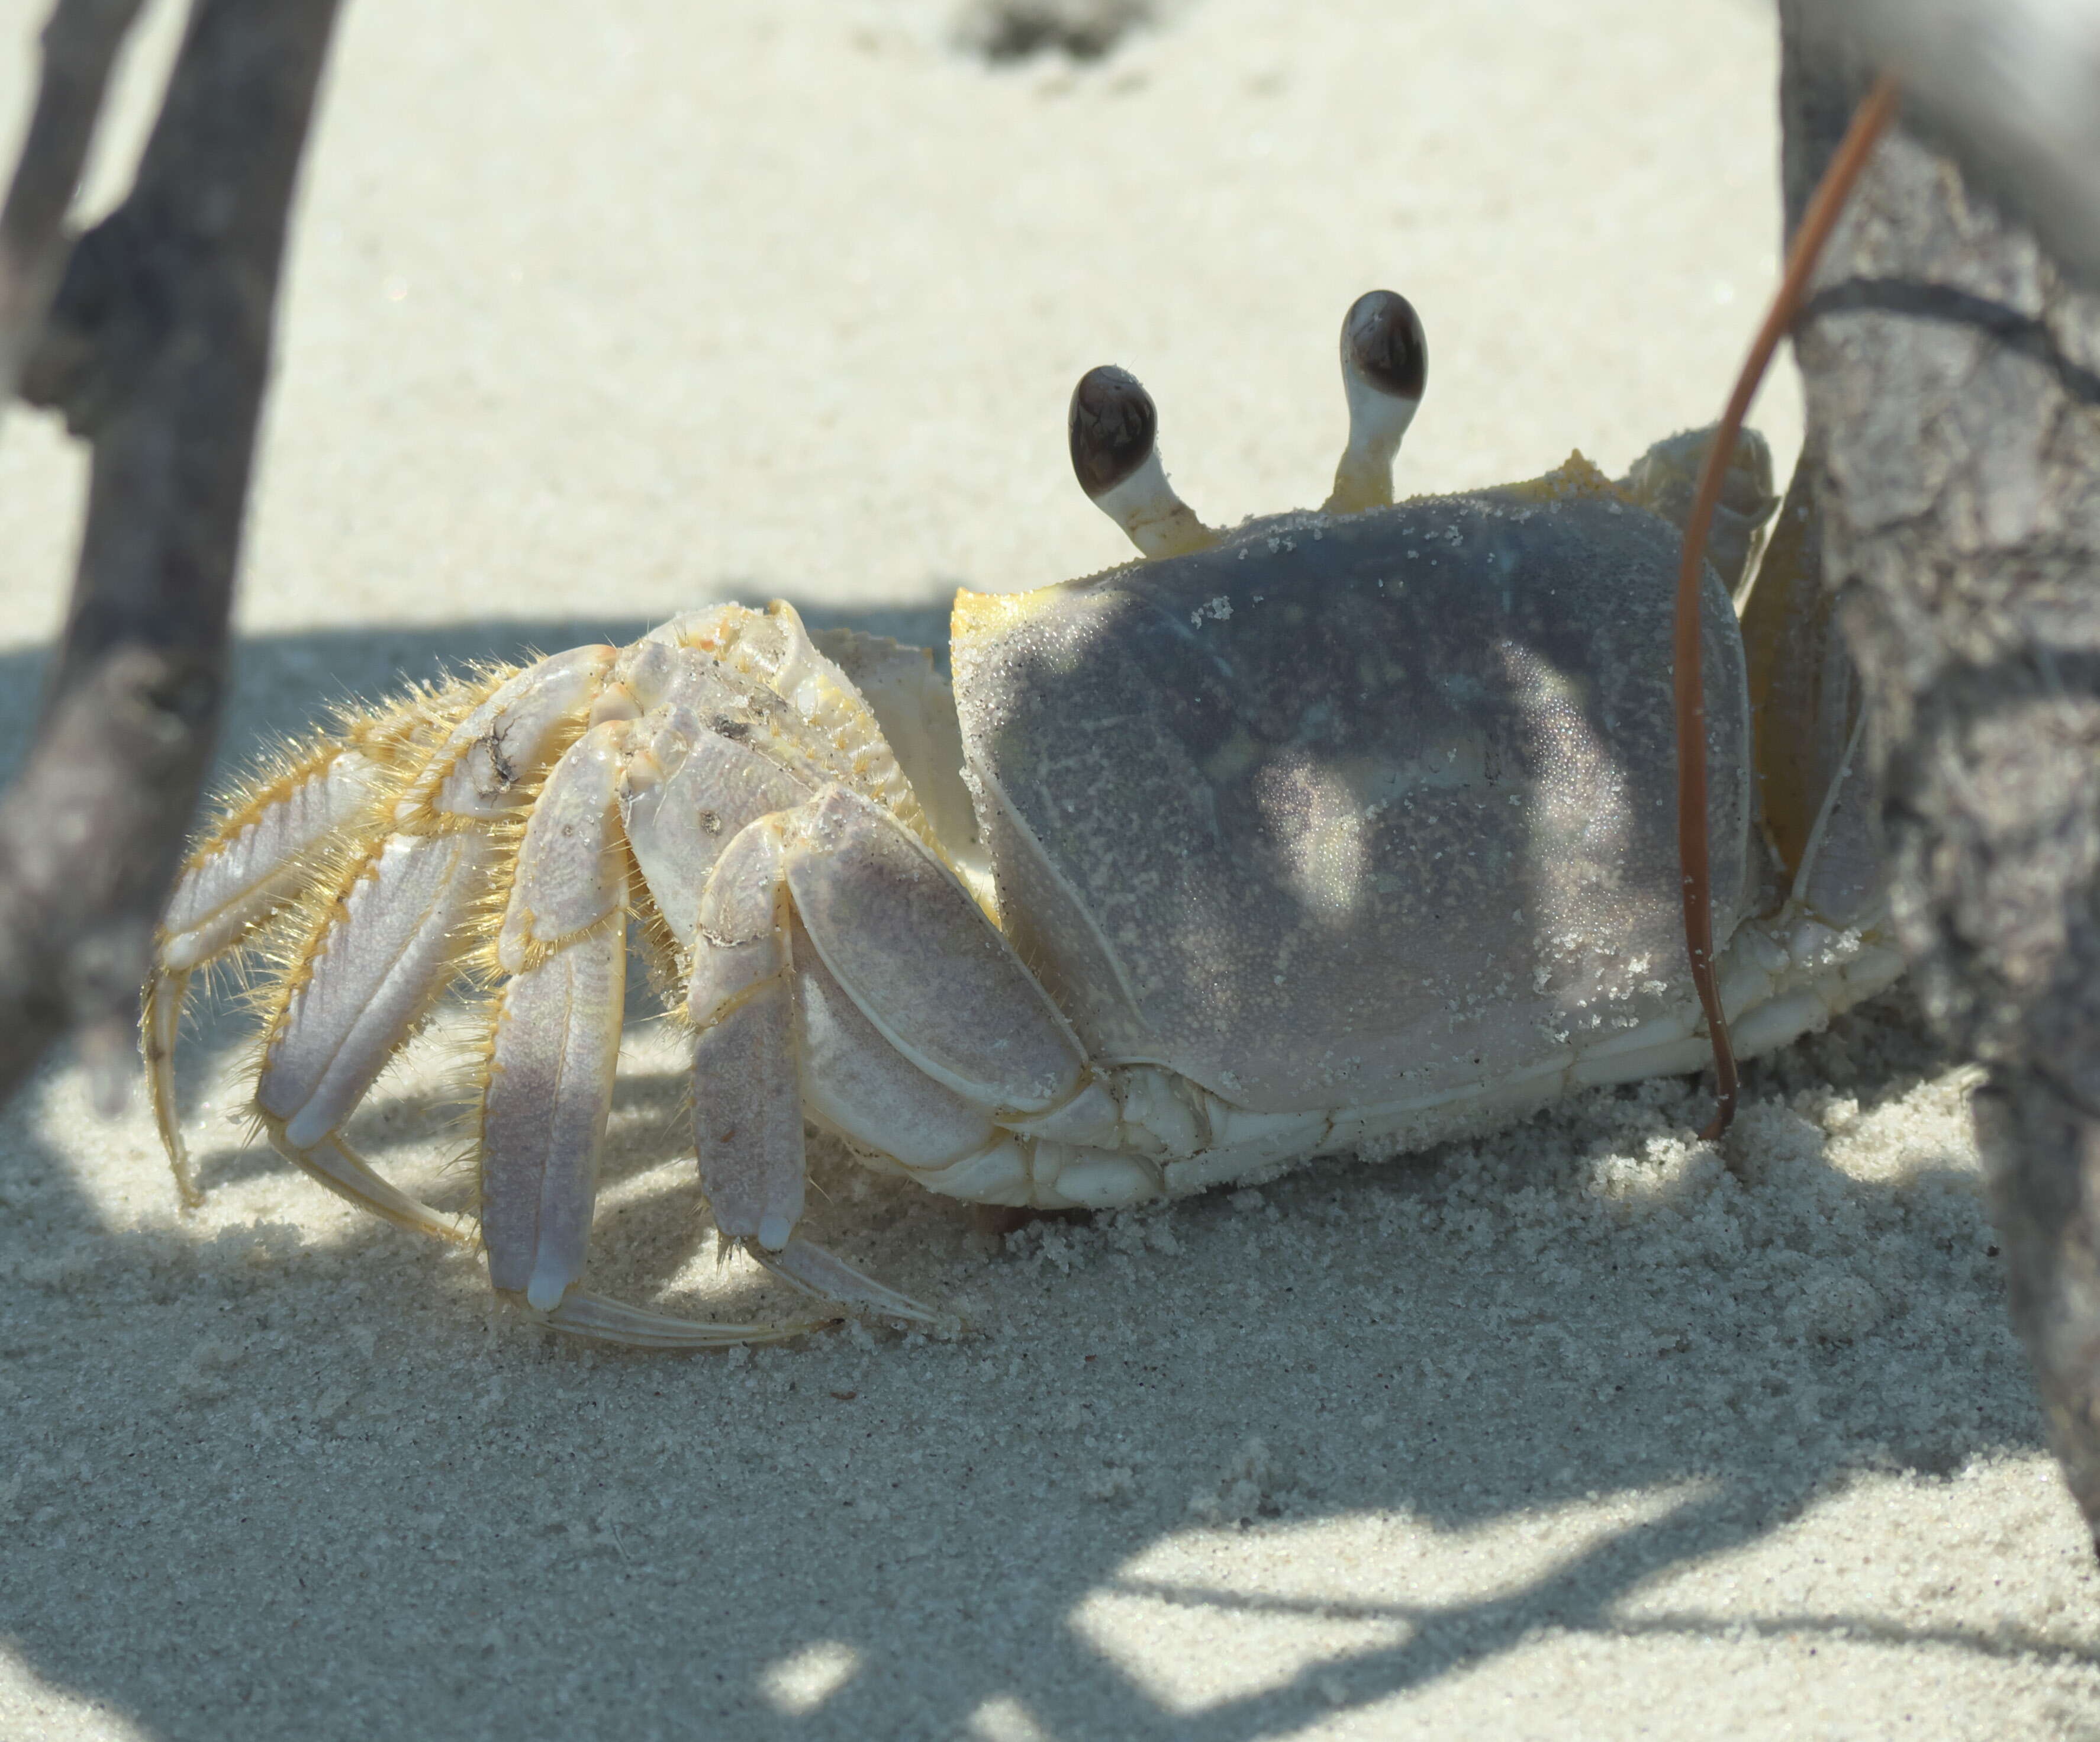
column 1346, row 830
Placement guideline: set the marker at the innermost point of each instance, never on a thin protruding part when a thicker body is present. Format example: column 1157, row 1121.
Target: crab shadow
column 319, row 1465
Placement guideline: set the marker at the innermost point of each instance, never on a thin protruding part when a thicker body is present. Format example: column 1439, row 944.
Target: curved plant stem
column 1868, row 124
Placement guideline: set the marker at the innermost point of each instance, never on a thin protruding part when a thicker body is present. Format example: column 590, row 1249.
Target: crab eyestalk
column 1385, row 363
column 1115, row 454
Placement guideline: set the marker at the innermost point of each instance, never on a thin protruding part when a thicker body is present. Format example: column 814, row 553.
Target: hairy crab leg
column 253, row 865
column 554, row 1040
column 391, row 942
column 260, row 858
column 330, row 1161
column 257, row 861
column 392, row 934
column 554, row 1045
column 820, row 726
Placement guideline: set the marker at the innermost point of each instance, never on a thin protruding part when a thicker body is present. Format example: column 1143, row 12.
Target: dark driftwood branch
column 158, row 347
column 79, row 43
column 1954, row 458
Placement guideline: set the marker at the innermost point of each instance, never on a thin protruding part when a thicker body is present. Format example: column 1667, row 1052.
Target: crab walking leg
column 556, row 1037
column 747, row 1075
column 262, row 853
column 401, row 920
column 254, row 864
column 554, row 1046
column 159, row 1026
column 748, row 1119
column 583, row 1314
column 924, row 1025
column 393, row 942
column 257, row 860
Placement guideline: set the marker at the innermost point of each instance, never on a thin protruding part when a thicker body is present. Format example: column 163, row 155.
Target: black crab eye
column 1113, row 426
column 1383, row 337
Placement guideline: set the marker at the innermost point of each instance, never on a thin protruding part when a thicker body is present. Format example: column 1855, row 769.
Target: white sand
column 600, row 312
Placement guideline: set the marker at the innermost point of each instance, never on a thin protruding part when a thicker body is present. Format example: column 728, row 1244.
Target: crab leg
column 922, row 1012
column 253, row 865
column 583, row 1314
column 741, row 999
column 748, row 1119
column 689, row 794
column 914, row 707
column 907, row 943
column 257, row 860
column 401, row 918
column 553, row 1046
column 392, row 940
column 556, row 1036
column 856, row 1083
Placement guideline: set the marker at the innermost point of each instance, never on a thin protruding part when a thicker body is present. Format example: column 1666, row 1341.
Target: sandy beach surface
column 596, row 313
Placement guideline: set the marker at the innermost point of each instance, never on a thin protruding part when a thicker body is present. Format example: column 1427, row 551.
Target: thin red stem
column 1868, row 125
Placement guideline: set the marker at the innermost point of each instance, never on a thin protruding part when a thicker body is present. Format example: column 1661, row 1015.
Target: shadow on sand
column 261, row 1481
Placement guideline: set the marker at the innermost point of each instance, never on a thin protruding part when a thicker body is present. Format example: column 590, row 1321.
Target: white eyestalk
column 1115, row 454
column 1385, row 363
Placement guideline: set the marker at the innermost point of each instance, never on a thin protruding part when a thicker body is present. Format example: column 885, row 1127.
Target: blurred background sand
column 598, row 313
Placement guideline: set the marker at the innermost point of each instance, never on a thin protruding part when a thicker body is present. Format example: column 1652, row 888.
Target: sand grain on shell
column 1588, row 1429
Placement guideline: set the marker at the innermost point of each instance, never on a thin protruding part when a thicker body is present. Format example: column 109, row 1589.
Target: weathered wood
column 158, row 347
column 1953, row 377
column 80, row 41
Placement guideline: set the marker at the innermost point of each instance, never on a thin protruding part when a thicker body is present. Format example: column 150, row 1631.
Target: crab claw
column 1115, row 428
column 1385, row 363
